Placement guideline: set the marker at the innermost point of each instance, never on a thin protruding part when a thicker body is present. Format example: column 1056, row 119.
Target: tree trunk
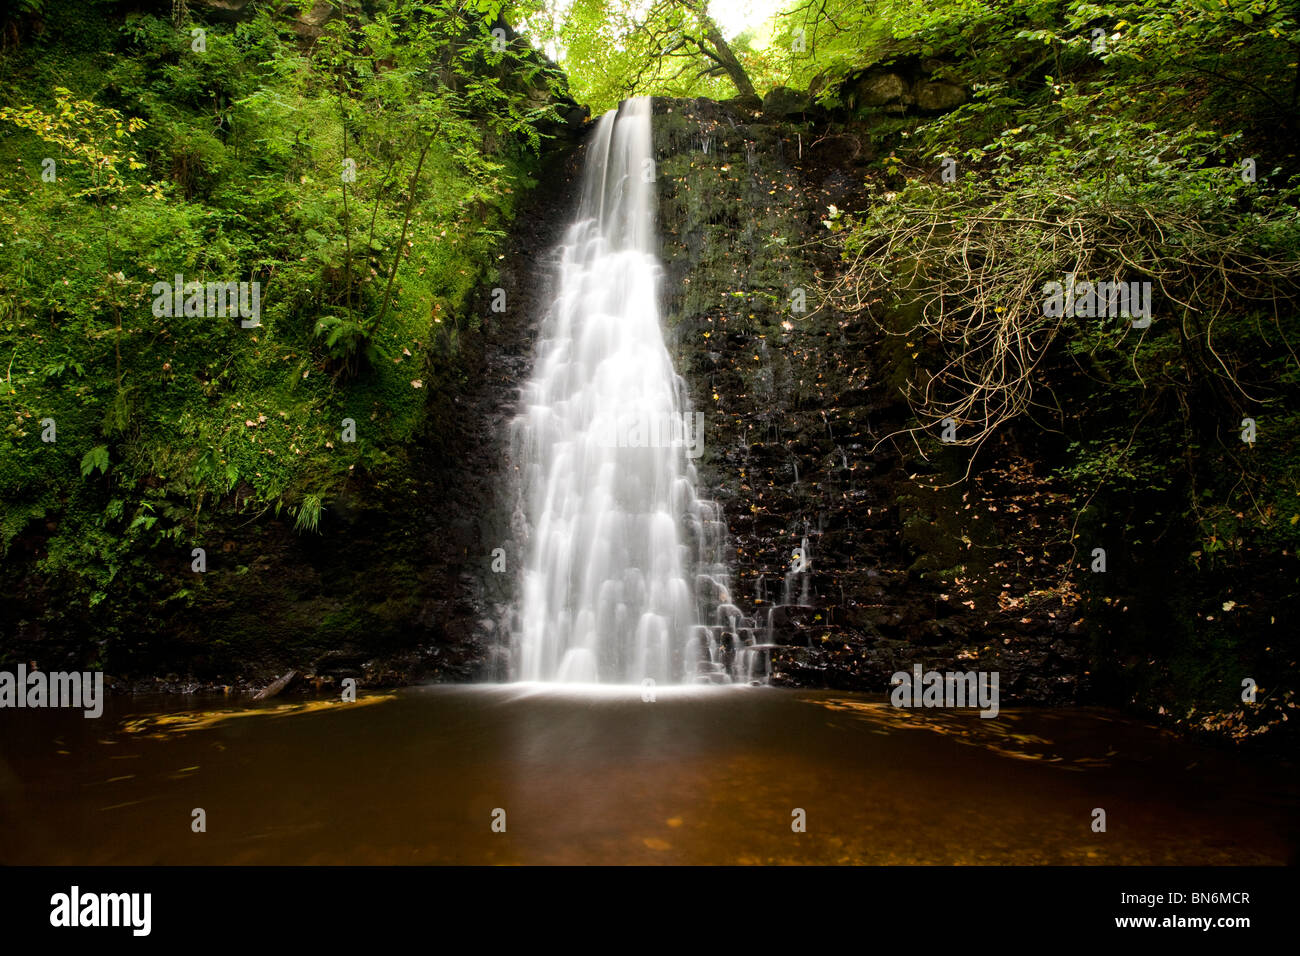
column 722, row 50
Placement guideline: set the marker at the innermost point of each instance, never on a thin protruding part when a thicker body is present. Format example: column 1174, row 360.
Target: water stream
column 624, row 579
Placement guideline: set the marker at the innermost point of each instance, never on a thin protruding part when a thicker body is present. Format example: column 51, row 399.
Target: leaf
column 95, row 460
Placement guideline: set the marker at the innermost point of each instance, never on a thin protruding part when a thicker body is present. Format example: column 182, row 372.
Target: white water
column 624, row 564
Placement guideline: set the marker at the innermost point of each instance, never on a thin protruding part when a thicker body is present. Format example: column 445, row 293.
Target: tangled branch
column 975, row 267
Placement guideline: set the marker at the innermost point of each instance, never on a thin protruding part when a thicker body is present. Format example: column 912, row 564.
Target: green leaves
column 349, row 343
column 243, row 151
column 95, row 460
column 612, row 50
column 1122, row 166
column 308, row 514
column 88, row 137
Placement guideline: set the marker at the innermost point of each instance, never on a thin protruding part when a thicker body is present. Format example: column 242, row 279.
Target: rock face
column 883, row 89
column 800, row 403
column 936, row 97
column 781, row 101
column 307, row 20
column 311, row 20
column 903, row 85
column 849, row 566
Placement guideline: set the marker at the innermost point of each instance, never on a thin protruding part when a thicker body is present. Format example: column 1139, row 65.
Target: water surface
column 597, row 775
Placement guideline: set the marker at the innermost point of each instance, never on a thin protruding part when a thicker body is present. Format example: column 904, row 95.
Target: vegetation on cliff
column 1151, row 148
column 356, row 174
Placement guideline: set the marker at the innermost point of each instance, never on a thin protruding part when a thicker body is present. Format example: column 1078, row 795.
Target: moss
column 940, row 531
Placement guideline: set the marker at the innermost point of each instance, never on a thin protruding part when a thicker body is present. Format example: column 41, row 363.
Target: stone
column 781, row 101
column 744, row 102
column 311, row 23
column 882, row 89
column 936, row 96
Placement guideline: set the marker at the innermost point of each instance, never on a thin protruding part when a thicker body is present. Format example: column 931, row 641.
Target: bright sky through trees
column 737, row 16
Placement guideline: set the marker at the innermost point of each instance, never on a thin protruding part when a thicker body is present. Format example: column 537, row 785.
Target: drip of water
column 799, row 574
column 606, row 486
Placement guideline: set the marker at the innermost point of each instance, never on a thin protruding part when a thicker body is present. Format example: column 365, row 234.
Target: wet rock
column 781, row 102
column 936, row 96
column 791, row 624
column 749, row 104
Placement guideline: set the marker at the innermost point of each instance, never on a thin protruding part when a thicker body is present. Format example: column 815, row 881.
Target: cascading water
column 607, row 504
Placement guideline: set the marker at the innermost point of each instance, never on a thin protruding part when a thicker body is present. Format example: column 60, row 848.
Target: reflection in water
column 1004, row 736
column 701, row 775
column 161, row 726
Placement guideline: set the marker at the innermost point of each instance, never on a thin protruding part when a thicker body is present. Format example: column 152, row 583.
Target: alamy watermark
column 953, row 689
column 641, row 430
column 211, row 300
column 1131, row 300
column 75, row 908
column 84, row 690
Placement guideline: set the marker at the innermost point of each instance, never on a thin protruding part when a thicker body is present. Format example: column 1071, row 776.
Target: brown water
column 701, row 775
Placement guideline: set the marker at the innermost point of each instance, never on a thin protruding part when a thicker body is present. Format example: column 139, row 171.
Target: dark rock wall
column 799, row 407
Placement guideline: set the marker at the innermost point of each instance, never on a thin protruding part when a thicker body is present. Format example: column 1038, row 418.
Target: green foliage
column 308, row 514
column 86, row 135
column 95, row 460
column 613, row 49
column 1085, row 174
column 227, row 165
column 348, row 343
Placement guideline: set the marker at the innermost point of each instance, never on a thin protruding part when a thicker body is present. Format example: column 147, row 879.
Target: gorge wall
column 800, row 401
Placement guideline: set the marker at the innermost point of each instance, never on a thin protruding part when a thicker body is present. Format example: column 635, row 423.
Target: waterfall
column 623, row 573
